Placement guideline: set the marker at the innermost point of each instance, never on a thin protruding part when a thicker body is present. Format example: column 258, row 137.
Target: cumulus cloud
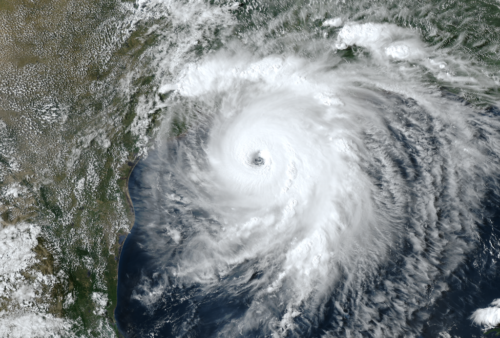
column 489, row 316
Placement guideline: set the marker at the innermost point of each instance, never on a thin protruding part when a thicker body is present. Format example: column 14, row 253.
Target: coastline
column 123, row 237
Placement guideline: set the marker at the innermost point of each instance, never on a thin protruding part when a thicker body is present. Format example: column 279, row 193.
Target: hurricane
column 311, row 195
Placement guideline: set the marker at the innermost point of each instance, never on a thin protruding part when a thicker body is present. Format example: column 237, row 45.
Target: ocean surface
column 322, row 169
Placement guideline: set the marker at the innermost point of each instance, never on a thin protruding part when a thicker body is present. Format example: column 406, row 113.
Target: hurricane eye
column 258, row 161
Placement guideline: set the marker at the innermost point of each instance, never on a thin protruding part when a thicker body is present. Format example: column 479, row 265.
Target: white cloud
column 100, row 300
column 32, row 325
column 25, row 308
column 16, row 243
column 335, row 22
column 489, row 316
column 383, row 40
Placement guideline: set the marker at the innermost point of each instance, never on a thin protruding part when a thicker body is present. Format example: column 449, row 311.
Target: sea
column 320, row 169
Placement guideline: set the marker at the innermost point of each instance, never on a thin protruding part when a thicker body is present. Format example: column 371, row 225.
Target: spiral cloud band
column 315, row 191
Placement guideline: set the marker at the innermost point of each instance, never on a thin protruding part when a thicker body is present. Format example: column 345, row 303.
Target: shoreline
column 127, row 192
column 121, row 241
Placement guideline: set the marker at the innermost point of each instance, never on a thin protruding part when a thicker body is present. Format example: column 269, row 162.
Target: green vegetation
column 83, row 211
column 496, row 331
column 179, row 126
